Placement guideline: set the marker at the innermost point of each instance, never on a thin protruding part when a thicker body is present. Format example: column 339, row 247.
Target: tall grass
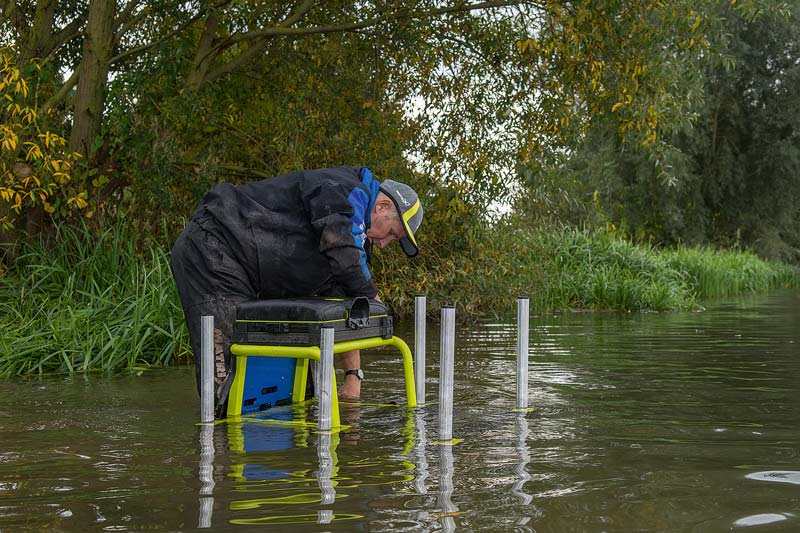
column 712, row 273
column 573, row 269
column 84, row 303
column 596, row 270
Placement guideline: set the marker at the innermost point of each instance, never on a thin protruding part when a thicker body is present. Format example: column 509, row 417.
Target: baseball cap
column 408, row 205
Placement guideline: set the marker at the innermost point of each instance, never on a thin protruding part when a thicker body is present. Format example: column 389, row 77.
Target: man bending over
column 308, row 233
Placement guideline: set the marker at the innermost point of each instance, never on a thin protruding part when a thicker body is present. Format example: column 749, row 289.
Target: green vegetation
column 577, row 269
column 733, row 170
column 673, row 123
column 85, row 303
column 89, row 304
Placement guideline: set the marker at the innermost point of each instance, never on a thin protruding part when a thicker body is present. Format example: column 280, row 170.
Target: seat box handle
column 358, row 314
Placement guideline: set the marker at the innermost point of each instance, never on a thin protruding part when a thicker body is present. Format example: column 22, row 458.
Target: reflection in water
column 656, row 422
column 421, row 462
column 326, row 453
column 762, row 519
column 206, row 475
column 446, row 487
column 271, row 462
column 521, row 426
column 778, row 476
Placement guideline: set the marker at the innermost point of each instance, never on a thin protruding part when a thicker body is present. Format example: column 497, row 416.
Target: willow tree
column 467, row 89
column 733, row 166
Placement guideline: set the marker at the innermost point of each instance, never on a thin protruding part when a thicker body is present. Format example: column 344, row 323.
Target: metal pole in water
column 446, row 363
column 419, row 346
column 523, row 315
column 206, row 368
column 325, row 375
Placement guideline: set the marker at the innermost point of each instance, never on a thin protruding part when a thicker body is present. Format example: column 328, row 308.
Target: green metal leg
column 303, row 354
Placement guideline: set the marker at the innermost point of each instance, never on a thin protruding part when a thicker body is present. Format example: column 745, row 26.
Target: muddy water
column 647, row 422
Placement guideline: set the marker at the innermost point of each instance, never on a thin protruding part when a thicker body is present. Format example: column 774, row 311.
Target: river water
column 641, row 422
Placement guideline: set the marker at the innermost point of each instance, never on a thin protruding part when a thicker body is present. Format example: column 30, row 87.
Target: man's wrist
column 357, row 372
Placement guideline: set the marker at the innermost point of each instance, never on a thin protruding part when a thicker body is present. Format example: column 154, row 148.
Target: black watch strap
column 357, row 372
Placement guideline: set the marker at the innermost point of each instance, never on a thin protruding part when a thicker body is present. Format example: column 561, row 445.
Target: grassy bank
column 576, row 269
column 98, row 304
column 89, row 304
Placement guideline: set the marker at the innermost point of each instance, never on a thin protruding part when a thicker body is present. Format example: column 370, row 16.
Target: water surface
column 641, row 422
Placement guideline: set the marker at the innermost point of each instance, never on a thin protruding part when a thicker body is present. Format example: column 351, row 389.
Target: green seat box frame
column 285, row 347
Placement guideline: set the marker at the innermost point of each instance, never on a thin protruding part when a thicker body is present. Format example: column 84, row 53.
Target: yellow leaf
column 616, row 106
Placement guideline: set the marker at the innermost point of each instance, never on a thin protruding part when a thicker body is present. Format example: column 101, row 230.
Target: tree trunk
column 36, row 41
column 205, row 55
column 93, row 69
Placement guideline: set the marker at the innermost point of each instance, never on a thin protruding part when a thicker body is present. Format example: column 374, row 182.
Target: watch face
column 357, row 372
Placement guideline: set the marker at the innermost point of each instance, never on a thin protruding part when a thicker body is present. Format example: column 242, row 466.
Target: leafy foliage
column 36, row 169
column 736, row 167
column 85, row 303
column 446, row 96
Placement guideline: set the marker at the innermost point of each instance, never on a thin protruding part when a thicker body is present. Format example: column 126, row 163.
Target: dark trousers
column 209, row 282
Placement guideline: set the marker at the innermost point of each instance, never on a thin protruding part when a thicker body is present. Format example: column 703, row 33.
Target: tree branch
column 374, row 21
column 14, row 15
column 124, row 21
column 259, row 38
column 139, row 49
column 255, row 48
column 7, row 8
column 61, row 93
column 300, row 13
column 67, row 33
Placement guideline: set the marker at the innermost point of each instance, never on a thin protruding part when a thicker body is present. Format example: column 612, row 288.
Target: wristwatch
column 357, row 373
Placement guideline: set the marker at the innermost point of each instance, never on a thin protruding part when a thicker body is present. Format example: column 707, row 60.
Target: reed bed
column 714, row 273
column 597, row 270
column 82, row 303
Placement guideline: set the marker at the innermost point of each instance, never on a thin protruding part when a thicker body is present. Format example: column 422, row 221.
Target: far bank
column 89, row 303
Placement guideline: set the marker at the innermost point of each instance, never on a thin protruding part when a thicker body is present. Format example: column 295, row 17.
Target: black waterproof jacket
column 297, row 234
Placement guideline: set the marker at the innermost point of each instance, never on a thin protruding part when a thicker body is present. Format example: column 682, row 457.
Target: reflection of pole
column 327, row 460
column 206, row 475
column 207, row 418
column 419, row 454
column 446, row 362
column 446, row 488
column 325, row 375
column 521, row 425
column 206, row 368
column 315, row 376
column 522, row 352
column 419, row 347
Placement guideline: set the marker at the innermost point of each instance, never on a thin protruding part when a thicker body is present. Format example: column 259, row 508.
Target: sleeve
column 337, row 212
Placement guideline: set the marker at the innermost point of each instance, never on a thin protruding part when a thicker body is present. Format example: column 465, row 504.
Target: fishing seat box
column 268, row 381
column 298, row 321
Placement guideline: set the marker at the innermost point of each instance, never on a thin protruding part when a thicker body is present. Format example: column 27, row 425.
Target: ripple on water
column 762, row 519
column 776, row 476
